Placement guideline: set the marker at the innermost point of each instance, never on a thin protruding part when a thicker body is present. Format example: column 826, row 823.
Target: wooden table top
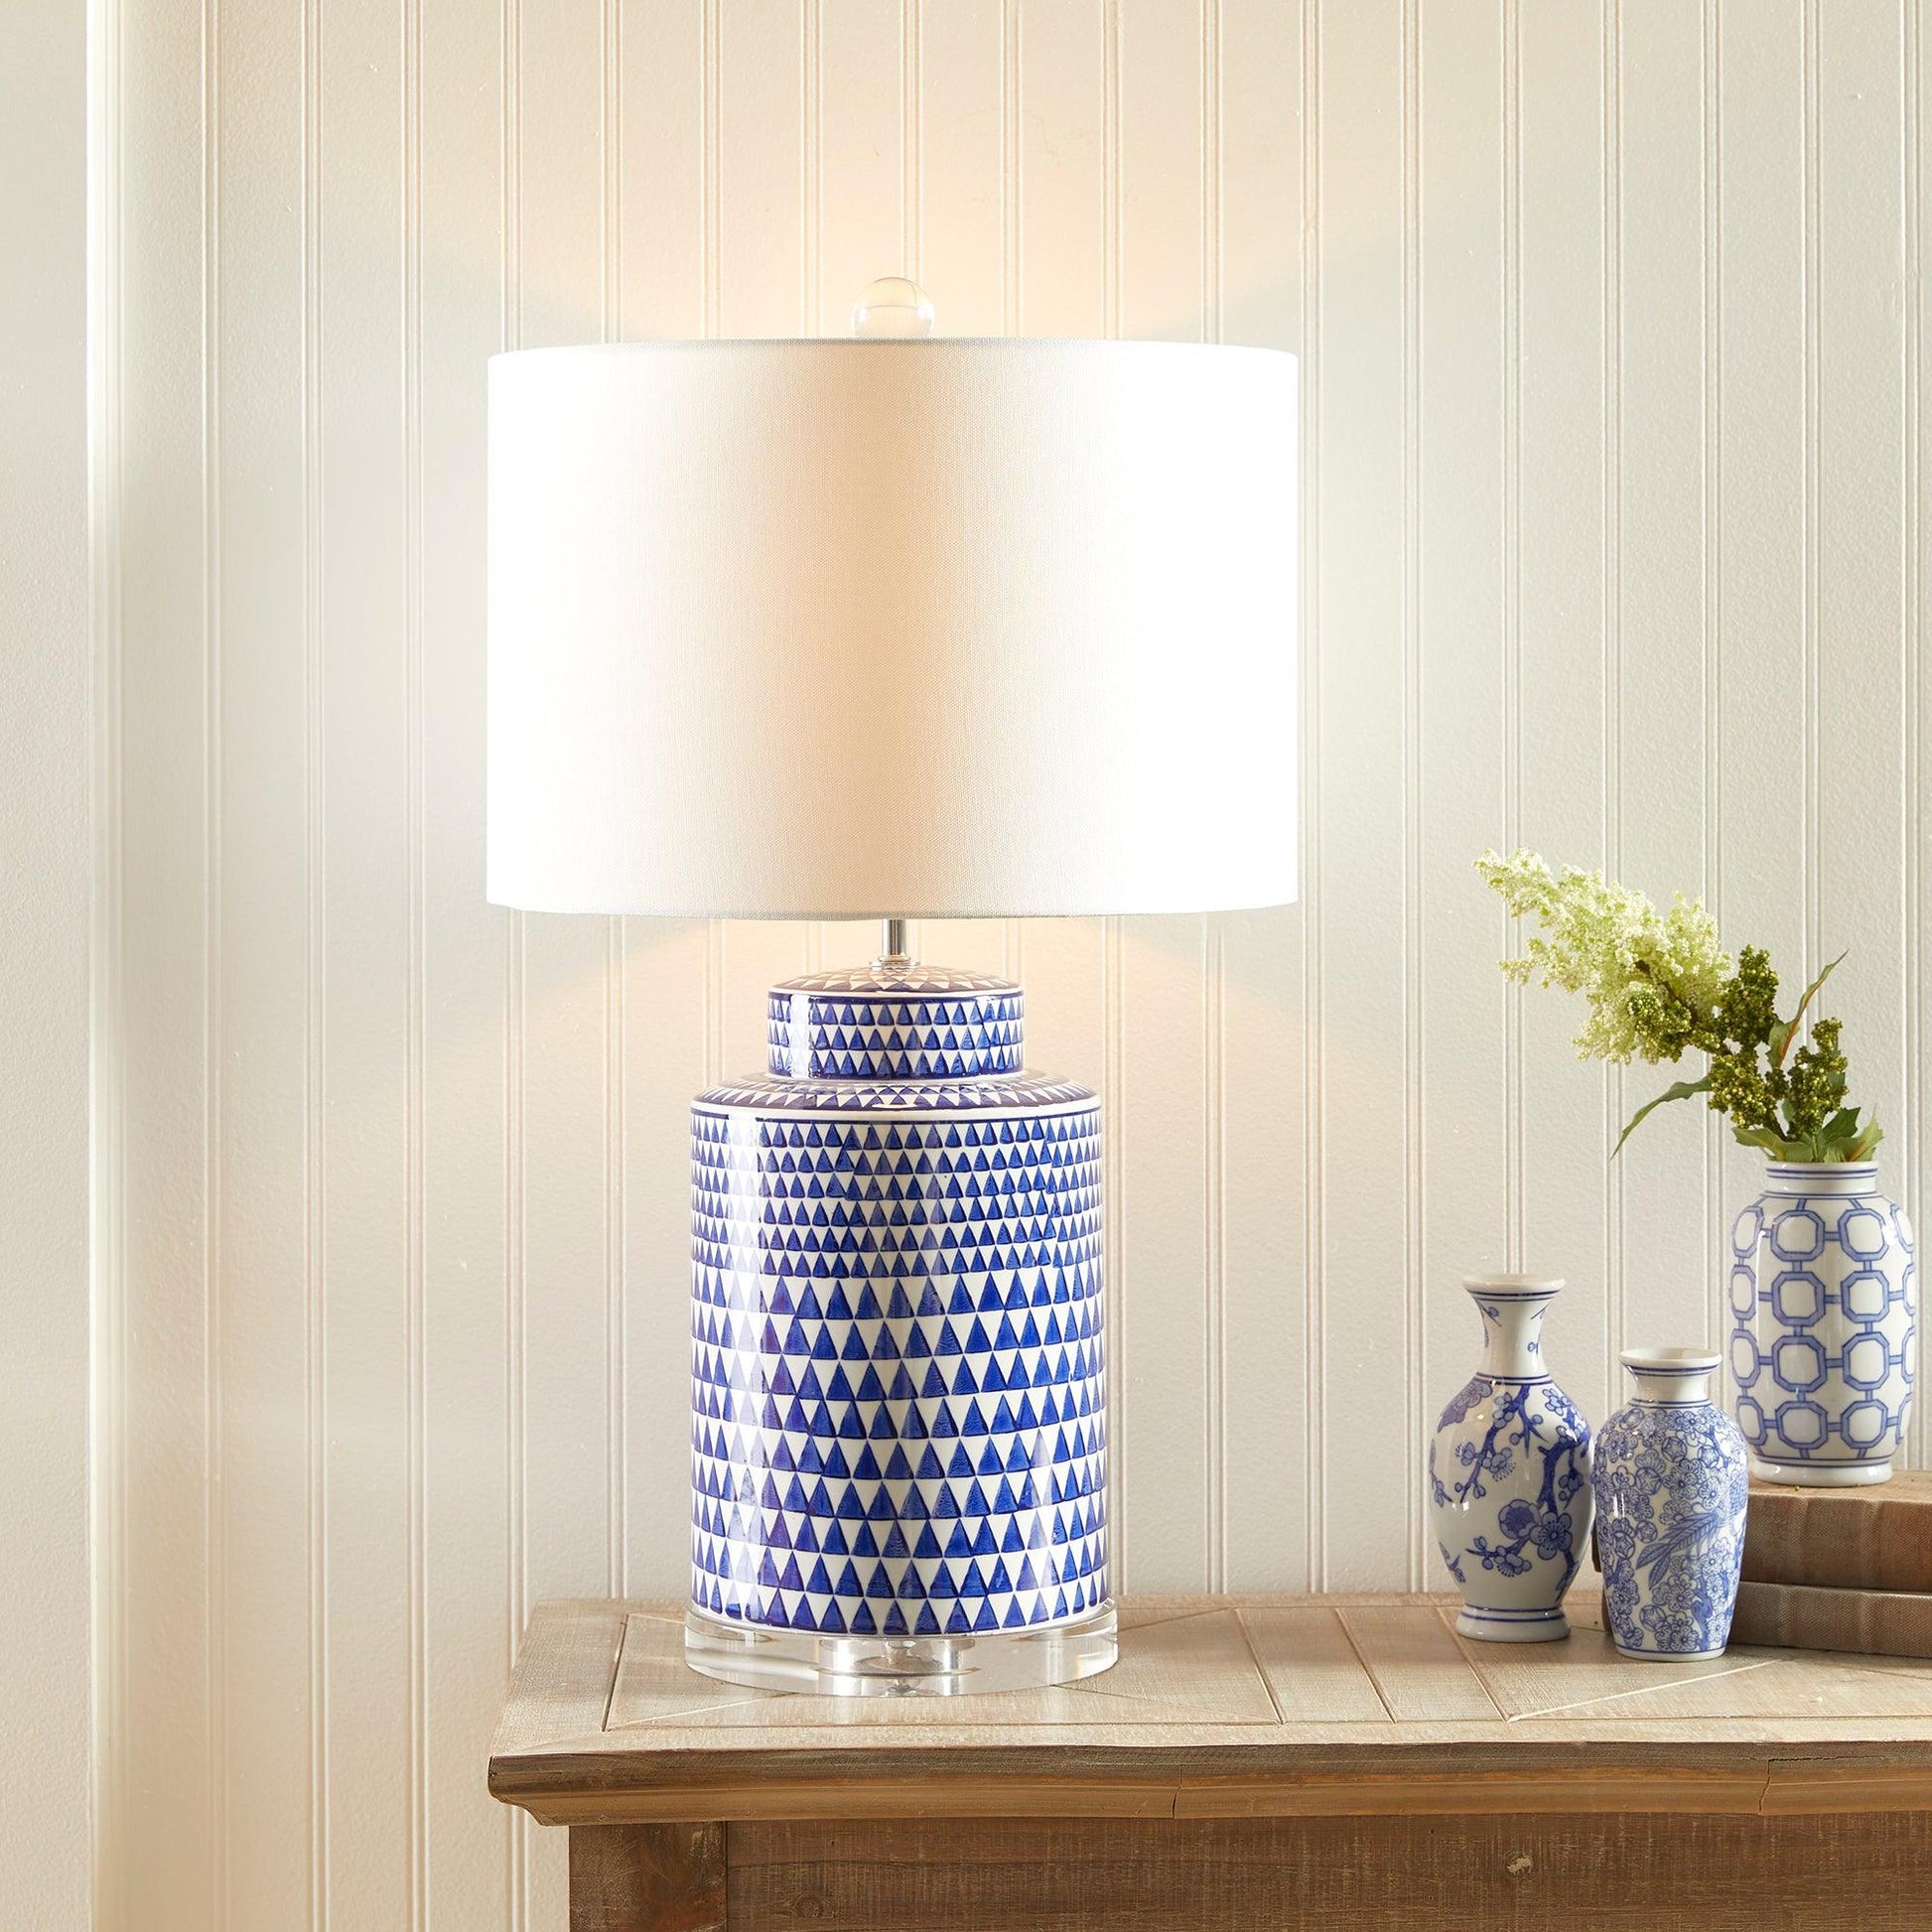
column 1218, row 1708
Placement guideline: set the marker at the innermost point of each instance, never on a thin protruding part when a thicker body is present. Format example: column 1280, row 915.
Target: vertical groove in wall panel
column 1161, row 1210
column 416, row 1366
column 811, row 161
column 315, row 1085
column 1012, row 308
column 1359, row 639
column 259, row 1051
column 1213, row 970
column 1213, row 957
column 363, row 943
column 710, row 123
column 471, row 1552
column 163, row 882
column 45, row 806
column 617, row 979
column 568, row 1159
column 668, row 964
column 515, row 1203
column 1315, row 1175
column 1261, row 1153
column 1557, row 455
column 911, row 140
column 1113, row 1081
column 1614, row 1326
column 1515, row 1071
column 214, row 1487
column 1413, row 1323
column 515, row 1355
column 1661, row 606
column 1169, row 968
column 1863, row 621
column 1917, row 1177
column 1710, row 110
column 1461, row 666
column 108, row 1382
column 617, row 1378
column 1813, row 952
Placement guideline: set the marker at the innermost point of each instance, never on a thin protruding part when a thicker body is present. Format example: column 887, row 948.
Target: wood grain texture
column 1272, row 1707
column 1312, row 1669
column 1419, row 1669
column 647, row 1878
column 564, row 1674
column 1393, row 1875
column 1878, row 1538
column 1875, row 1621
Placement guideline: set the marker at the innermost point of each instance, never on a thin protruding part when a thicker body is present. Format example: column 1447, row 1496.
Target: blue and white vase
column 1510, row 1474
column 899, row 1420
column 1671, row 1480
column 1824, row 1301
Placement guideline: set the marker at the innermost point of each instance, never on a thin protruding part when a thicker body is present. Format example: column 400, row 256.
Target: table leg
column 647, row 1878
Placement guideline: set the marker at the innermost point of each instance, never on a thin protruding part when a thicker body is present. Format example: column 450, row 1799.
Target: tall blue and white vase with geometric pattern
column 899, row 1424
column 1671, row 1481
column 1509, row 1473
column 1824, row 1301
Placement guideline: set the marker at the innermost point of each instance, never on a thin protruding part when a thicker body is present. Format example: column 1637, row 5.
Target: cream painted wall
column 1611, row 324
column 44, row 1634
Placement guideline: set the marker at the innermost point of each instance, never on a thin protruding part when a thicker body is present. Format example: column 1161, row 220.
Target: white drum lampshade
column 894, row 628
column 855, row 628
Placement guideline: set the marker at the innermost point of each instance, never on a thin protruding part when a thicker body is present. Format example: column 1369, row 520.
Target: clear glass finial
column 893, row 306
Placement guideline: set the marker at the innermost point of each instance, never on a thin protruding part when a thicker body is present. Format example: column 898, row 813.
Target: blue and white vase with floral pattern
column 1824, row 1304
column 1509, row 1473
column 1671, row 1480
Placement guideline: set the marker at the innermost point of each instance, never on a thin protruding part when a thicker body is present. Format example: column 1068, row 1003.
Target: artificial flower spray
column 1822, row 1276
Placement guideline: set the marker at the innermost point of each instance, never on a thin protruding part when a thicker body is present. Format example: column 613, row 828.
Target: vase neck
column 1669, row 1378
column 1512, row 1308
column 1813, row 1177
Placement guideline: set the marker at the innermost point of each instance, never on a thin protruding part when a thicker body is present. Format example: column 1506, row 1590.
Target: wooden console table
column 1265, row 1762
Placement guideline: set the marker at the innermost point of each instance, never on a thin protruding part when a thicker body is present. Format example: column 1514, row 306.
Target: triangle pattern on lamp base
column 898, row 1426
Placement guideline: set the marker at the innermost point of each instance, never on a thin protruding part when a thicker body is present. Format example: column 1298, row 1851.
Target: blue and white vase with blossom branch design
column 1510, row 1474
column 1671, row 1478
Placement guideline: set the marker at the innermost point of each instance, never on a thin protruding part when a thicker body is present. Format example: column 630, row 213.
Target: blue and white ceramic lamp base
column 898, row 1377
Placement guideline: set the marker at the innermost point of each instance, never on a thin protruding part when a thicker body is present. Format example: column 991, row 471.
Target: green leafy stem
column 1658, row 984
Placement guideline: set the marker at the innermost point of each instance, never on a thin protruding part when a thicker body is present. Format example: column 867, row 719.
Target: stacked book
column 1840, row 1568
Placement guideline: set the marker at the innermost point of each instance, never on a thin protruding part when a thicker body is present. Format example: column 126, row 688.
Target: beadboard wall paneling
column 1612, row 327
column 46, row 1643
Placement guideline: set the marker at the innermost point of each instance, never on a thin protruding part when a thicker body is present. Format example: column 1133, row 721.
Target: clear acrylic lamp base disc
column 814, row 1663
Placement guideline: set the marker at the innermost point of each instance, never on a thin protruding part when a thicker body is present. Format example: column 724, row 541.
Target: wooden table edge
column 576, row 1793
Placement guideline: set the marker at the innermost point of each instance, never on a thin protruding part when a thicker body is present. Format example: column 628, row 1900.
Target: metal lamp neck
column 895, row 949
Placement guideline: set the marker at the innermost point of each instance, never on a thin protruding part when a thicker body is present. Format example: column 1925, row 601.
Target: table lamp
column 891, row 627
